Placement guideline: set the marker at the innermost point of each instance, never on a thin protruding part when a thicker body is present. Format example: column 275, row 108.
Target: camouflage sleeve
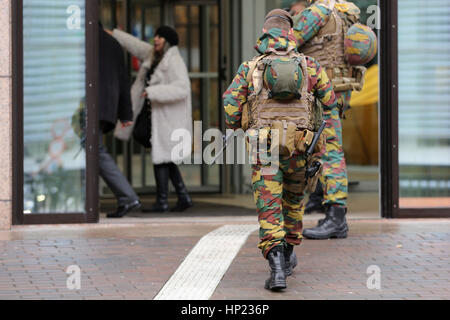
column 321, row 84
column 235, row 96
column 309, row 21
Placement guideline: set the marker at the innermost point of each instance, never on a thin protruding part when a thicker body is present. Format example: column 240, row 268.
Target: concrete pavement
column 135, row 258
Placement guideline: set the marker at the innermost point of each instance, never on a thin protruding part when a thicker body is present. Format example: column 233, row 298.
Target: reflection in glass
column 198, row 28
column 424, row 108
column 54, row 89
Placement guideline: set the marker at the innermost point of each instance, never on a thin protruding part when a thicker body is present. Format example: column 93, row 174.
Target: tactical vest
column 327, row 47
column 296, row 119
column 264, row 112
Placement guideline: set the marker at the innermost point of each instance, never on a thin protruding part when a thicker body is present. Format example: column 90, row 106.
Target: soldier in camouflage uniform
column 320, row 31
column 278, row 196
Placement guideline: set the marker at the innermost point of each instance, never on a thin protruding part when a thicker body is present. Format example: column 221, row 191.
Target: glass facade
column 197, row 25
column 54, row 72
column 424, row 103
column 54, row 89
column 359, row 127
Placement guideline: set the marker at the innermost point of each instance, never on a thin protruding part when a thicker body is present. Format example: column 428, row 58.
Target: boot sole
column 134, row 209
column 322, row 210
column 337, row 235
column 276, row 286
column 182, row 209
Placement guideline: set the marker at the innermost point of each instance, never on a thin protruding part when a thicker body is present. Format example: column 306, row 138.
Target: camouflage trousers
column 279, row 202
column 334, row 178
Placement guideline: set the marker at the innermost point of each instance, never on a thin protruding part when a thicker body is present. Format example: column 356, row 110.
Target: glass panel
column 136, row 163
column 120, row 14
column 54, row 88
column 214, row 40
column 213, row 97
column 152, row 22
column 194, row 38
column 213, row 175
column 183, row 44
column 136, row 21
column 196, row 86
column 198, row 30
column 359, row 131
column 106, row 14
column 424, row 107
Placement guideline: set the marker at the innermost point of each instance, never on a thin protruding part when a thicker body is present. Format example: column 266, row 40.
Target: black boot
column 315, row 200
column 184, row 200
column 162, row 189
column 290, row 259
column 277, row 280
column 333, row 226
column 124, row 209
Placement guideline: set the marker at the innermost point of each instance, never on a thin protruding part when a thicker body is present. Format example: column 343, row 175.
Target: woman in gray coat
column 163, row 84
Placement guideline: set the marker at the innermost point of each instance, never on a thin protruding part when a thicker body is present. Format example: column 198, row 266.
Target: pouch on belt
column 286, row 137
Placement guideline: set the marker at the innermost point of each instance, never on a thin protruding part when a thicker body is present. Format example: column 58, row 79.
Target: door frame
column 91, row 44
column 389, row 138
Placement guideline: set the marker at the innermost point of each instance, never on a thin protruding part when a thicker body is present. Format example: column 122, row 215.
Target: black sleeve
column 125, row 112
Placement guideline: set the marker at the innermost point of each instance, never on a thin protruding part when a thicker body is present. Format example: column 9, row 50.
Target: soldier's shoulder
column 244, row 64
column 347, row 7
column 323, row 3
column 319, row 9
column 312, row 63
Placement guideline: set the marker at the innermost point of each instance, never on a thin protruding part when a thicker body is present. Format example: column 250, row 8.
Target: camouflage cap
column 278, row 18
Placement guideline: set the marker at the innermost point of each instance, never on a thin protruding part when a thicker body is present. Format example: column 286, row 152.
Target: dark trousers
column 113, row 177
column 164, row 172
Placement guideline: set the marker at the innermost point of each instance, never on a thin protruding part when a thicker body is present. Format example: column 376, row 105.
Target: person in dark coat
column 114, row 105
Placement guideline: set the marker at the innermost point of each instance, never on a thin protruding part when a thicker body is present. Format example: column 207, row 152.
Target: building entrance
column 198, row 26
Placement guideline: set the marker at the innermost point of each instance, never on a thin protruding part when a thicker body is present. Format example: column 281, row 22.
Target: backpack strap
column 245, row 107
column 252, row 65
column 257, row 74
column 301, row 59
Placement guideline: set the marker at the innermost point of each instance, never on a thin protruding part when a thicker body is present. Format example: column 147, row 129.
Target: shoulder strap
column 252, row 65
column 255, row 74
column 304, row 68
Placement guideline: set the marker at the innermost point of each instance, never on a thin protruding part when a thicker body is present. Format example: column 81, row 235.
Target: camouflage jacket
column 308, row 23
column 236, row 94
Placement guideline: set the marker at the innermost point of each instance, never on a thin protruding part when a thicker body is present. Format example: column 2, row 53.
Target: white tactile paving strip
column 201, row 271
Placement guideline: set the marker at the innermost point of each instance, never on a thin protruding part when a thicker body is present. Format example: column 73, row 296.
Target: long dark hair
column 157, row 57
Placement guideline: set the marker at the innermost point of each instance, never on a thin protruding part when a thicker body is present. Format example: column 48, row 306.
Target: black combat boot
column 277, row 263
column 333, row 226
column 162, row 189
column 184, row 200
column 290, row 259
column 315, row 200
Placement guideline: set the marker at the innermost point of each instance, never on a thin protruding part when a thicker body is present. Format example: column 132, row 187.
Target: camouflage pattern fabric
column 279, row 202
column 360, row 45
column 236, row 94
column 334, row 178
column 309, row 22
column 279, row 196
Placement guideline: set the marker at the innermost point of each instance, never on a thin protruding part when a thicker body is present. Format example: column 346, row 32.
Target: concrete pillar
column 5, row 116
